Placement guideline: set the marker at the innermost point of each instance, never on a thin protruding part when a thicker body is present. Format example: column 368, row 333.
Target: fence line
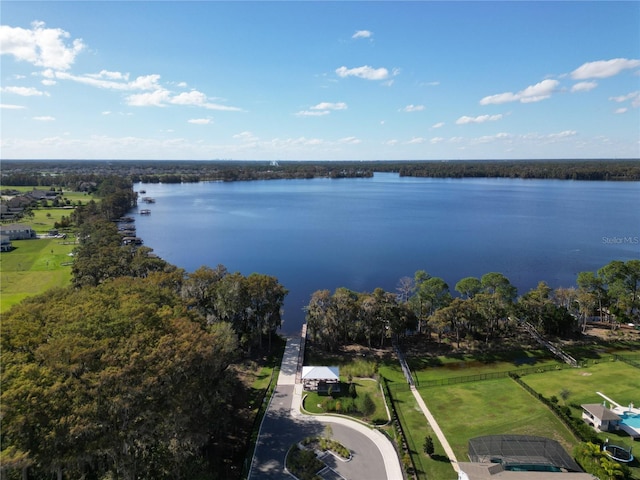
column 524, row 371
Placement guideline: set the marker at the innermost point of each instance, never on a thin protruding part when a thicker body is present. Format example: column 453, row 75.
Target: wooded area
column 486, row 311
column 126, row 373
column 72, row 173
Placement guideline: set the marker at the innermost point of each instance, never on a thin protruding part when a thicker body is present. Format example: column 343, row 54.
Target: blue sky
column 310, row 80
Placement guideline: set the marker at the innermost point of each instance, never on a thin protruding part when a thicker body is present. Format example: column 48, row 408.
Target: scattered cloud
column 416, row 140
column 633, row 97
column 438, row 125
column 563, row 134
column 413, row 108
column 109, row 75
column 362, row 34
column 429, row 84
column 108, row 80
column 479, row 119
column 366, row 72
column 603, row 68
column 23, row 91
column 11, row 107
column 436, row 140
column 583, row 86
column 44, row 119
column 321, row 109
column 312, row 113
column 200, row 121
column 533, row 93
column 350, row 140
column 40, row 46
column 246, row 136
column 620, row 110
column 330, row 106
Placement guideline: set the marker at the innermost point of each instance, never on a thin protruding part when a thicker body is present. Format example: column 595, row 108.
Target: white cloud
column 413, row 108
column 350, row 140
column 144, row 82
column 438, row 125
column 330, row 106
column 109, row 75
column 312, row 113
column 479, row 119
column 436, row 140
column 624, row 98
column 621, row 110
column 362, row 34
column 563, row 134
column 48, row 83
column 416, row 140
column 11, row 107
column 44, row 119
column 159, row 98
column 200, row 121
column 583, row 86
column 189, row 98
column 246, row 136
column 603, row 68
column 23, row 91
column 162, row 97
column 533, row 93
column 40, row 46
column 391, row 142
column 366, row 72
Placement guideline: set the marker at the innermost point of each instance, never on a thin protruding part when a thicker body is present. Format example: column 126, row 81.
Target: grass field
column 491, row 407
column 501, row 406
column 31, row 268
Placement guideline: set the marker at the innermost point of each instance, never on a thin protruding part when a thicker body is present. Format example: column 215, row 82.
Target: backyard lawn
column 33, row 267
column 491, row 407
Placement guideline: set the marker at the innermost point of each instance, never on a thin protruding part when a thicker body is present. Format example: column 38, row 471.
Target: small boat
column 145, row 211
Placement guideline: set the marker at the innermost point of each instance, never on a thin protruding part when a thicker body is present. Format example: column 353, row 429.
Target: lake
column 369, row 232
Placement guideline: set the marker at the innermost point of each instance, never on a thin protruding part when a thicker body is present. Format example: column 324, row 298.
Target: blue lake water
column 370, row 232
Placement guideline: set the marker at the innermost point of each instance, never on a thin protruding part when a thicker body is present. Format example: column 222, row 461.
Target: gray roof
column 600, row 411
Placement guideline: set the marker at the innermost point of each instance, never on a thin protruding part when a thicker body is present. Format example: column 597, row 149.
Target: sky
column 319, row 80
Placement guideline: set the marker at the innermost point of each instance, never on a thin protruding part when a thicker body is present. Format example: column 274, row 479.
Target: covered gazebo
column 320, row 378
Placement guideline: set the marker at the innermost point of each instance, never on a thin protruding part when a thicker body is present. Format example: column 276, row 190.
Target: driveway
column 373, row 455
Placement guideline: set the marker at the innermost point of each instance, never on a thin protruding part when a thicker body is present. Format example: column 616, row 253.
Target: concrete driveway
column 373, row 455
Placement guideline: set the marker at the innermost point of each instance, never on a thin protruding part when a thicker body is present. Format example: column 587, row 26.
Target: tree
column 468, row 287
column 428, row 447
column 115, row 379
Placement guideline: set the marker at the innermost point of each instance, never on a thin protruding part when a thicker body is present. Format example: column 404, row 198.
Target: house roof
column 15, row 226
column 600, row 411
column 320, row 373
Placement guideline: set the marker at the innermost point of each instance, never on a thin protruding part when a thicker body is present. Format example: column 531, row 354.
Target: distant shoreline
column 194, row 171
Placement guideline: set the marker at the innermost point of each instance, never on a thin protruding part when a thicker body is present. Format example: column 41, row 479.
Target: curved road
column 373, row 455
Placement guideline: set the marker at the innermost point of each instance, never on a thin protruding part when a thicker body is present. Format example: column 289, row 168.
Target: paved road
column 374, row 458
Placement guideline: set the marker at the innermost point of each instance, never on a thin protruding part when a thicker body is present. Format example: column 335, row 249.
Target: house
column 600, row 417
column 5, row 243
column 321, row 378
column 17, row 231
column 519, row 457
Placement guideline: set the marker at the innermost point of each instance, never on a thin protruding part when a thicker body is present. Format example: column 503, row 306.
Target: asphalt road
column 280, row 430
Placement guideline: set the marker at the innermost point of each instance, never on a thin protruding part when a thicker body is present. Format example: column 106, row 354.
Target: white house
column 600, row 417
column 321, row 378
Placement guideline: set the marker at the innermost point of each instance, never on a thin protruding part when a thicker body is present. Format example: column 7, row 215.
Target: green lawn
column 364, row 386
column 443, row 367
column 44, row 219
column 491, row 407
column 31, row 268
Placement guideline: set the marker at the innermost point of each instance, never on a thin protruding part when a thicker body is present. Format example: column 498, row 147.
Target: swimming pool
column 630, row 419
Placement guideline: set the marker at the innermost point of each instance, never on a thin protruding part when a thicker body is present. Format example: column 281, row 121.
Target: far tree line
column 82, row 174
column 485, row 310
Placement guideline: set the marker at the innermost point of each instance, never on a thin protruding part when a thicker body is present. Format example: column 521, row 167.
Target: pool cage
column 521, row 452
